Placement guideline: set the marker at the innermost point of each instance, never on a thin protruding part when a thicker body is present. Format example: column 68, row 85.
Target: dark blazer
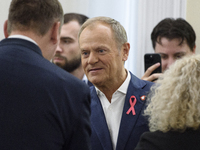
column 188, row 140
column 131, row 127
column 89, row 83
column 42, row 107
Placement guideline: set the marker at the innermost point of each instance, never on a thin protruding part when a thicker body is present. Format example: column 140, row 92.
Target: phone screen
column 151, row 59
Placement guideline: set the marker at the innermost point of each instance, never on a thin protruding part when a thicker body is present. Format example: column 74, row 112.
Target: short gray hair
column 118, row 30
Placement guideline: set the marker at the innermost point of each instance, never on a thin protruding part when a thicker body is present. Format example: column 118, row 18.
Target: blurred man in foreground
column 41, row 106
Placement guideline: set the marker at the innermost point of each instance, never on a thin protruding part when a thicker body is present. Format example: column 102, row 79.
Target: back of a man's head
column 174, row 29
column 80, row 18
column 35, row 15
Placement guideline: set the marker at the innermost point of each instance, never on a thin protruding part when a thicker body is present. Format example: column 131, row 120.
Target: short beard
column 71, row 65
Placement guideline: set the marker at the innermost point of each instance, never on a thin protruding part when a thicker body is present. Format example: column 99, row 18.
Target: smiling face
column 171, row 50
column 102, row 61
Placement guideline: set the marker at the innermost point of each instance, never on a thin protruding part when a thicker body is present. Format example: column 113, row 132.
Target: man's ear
column 5, row 27
column 125, row 51
column 55, row 32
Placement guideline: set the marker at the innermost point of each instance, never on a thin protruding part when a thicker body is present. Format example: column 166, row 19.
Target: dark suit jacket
column 42, row 107
column 90, row 84
column 131, row 127
column 188, row 140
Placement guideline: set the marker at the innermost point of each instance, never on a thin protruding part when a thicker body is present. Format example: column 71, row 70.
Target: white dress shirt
column 85, row 79
column 113, row 110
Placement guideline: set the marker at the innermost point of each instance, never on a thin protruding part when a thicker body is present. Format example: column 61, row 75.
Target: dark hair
column 75, row 16
column 174, row 28
column 34, row 15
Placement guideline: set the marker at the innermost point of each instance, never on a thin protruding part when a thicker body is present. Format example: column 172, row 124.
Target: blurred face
column 101, row 59
column 170, row 51
column 67, row 54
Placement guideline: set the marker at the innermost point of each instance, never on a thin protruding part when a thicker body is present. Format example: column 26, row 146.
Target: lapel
column 89, row 83
column 129, row 121
column 98, row 121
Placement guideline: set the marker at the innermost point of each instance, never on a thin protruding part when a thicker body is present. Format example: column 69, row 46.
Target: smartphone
column 151, row 59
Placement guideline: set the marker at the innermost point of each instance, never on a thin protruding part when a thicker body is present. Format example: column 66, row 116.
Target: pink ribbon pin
column 132, row 103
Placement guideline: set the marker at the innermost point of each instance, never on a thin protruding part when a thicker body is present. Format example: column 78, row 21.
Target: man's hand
column 147, row 75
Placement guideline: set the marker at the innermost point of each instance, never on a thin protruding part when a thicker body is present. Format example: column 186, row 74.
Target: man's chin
column 95, row 81
column 58, row 64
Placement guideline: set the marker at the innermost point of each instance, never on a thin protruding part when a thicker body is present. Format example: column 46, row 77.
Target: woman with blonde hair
column 174, row 109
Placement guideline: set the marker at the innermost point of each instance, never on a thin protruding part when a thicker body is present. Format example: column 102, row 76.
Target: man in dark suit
column 118, row 97
column 42, row 107
column 68, row 55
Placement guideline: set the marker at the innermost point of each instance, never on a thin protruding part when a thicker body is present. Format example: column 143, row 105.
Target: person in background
column 68, row 55
column 117, row 97
column 172, row 39
column 174, row 108
column 41, row 106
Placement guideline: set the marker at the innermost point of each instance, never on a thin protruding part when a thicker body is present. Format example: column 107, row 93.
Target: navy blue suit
column 131, row 127
column 42, row 107
column 90, row 84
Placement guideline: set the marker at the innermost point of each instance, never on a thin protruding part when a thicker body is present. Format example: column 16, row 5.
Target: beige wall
column 193, row 17
column 4, row 6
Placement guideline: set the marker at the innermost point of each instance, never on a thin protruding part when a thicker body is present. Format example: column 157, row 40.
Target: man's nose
column 93, row 58
column 170, row 62
column 58, row 49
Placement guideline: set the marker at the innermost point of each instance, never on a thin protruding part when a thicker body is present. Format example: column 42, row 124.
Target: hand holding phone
column 153, row 67
column 151, row 59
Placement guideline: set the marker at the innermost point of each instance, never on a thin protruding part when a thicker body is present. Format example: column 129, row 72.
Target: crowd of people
column 64, row 84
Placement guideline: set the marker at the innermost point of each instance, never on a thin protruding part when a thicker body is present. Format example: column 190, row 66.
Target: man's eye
column 85, row 54
column 179, row 56
column 163, row 57
column 101, row 51
column 66, row 41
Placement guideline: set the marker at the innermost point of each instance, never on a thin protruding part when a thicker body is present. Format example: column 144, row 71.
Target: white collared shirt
column 113, row 110
column 85, row 79
column 23, row 37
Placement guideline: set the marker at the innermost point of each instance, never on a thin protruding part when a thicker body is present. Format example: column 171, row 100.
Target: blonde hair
column 174, row 101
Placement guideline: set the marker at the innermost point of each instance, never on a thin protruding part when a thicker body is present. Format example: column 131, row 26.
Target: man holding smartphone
column 172, row 39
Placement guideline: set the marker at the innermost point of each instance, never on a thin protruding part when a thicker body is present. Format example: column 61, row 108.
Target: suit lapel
column 98, row 121
column 129, row 121
column 89, row 83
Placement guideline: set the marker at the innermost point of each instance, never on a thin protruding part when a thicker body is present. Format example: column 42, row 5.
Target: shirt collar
column 23, row 37
column 123, row 88
column 85, row 79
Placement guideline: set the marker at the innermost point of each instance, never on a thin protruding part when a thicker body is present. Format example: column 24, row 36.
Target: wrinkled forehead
column 97, row 29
